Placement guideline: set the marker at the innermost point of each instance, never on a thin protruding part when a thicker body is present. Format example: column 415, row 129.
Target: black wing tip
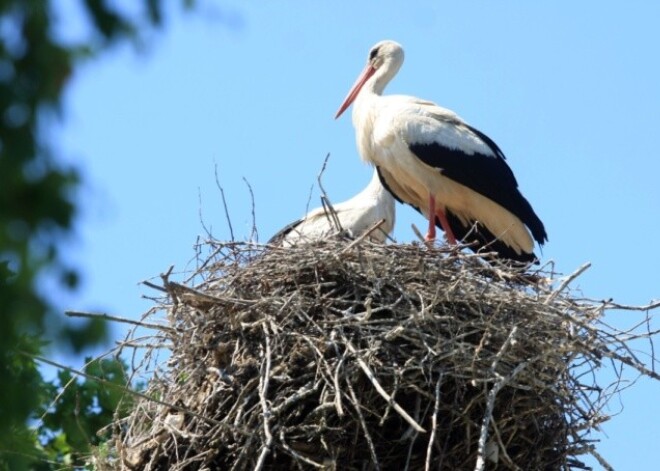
column 536, row 226
column 504, row 252
column 480, row 240
column 279, row 236
column 485, row 241
column 488, row 175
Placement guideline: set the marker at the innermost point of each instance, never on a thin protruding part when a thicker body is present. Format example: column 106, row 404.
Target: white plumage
column 431, row 159
column 355, row 216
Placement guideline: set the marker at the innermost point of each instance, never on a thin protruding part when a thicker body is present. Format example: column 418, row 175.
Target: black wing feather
column 476, row 235
column 282, row 233
column 480, row 238
column 488, row 175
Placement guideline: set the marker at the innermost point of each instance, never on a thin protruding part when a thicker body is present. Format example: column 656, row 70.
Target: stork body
column 355, row 216
column 430, row 158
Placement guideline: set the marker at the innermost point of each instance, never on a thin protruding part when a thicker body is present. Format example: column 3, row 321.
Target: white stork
column 355, row 216
column 430, row 158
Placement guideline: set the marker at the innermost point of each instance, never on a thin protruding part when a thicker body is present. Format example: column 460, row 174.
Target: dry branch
column 364, row 356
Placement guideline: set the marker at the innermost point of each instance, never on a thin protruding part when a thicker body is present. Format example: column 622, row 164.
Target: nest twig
column 373, row 357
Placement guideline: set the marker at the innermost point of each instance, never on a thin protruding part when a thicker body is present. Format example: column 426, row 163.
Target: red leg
column 433, row 212
column 430, row 234
column 445, row 225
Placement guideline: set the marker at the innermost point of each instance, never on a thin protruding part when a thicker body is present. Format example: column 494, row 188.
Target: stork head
column 385, row 59
column 384, row 53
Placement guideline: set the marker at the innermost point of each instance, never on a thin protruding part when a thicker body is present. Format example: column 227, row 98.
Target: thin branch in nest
column 65, row 387
column 624, row 307
column 606, row 466
column 127, row 390
column 254, row 234
column 419, row 235
column 338, row 406
column 224, row 203
column 264, row 380
column 650, row 341
column 201, row 215
column 154, row 286
column 501, row 451
column 569, row 279
column 365, row 429
column 200, row 296
column 366, row 234
column 108, row 317
column 372, row 377
column 297, row 455
column 166, row 276
column 490, row 402
column 412, row 436
column 329, row 210
column 488, row 415
column 320, row 174
column 434, row 424
column 300, row 395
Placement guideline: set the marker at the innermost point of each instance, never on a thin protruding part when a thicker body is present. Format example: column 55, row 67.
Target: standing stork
column 356, row 216
column 430, row 158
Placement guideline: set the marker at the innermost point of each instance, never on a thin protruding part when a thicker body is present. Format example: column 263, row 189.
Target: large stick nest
column 367, row 356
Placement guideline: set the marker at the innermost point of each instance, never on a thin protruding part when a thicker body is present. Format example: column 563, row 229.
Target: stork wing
column 484, row 171
column 282, row 233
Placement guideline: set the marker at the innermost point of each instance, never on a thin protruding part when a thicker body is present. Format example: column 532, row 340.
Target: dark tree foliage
column 73, row 420
column 37, row 212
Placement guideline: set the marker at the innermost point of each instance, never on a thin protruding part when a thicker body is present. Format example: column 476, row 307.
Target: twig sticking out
column 264, row 380
column 372, row 377
column 566, row 282
column 224, row 203
column 123, row 320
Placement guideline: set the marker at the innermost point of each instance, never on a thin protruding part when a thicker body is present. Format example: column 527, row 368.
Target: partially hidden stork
column 431, row 159
column 356, row 216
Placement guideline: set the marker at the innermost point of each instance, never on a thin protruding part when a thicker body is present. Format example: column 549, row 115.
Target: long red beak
column 355, row 89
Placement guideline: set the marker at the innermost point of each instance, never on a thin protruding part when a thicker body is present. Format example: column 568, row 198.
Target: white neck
column 376, row 188
column 379, row 80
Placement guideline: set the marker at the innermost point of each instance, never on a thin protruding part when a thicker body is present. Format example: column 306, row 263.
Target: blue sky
column 568, row 90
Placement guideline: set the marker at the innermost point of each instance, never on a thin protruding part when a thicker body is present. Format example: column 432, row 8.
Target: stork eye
column 373, row 54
